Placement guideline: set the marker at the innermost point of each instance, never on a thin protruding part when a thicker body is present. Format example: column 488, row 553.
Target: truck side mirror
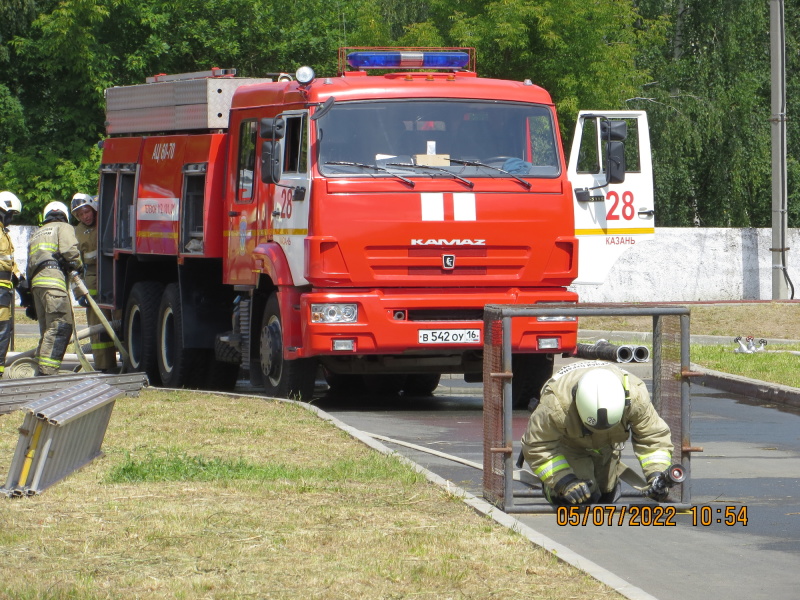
column 273, row 129
column 613, row 131
column 615, row 171
column 271, row 167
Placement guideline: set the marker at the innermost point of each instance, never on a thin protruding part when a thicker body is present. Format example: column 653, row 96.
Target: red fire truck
column 354, row 226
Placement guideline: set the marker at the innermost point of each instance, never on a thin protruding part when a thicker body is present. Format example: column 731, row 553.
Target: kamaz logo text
column 441, row 242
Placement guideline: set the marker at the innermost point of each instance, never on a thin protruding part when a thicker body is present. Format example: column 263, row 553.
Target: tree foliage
column 700, row 69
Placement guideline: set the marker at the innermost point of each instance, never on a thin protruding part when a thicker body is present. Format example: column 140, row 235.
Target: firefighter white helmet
column 9, row 202
column 55, row 207
column 79, row 200
column 600, row 399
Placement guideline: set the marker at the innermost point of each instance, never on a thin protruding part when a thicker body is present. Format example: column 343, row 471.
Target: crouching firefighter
column 52, row 253
column 576, row 434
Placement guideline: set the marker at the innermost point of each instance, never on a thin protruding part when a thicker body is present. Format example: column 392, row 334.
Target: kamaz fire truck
column 355, row 226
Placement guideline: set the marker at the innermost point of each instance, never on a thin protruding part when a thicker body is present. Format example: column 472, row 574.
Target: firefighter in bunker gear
column 9, row 273
column 575, row 436
column 84, row 209
column 51, row 248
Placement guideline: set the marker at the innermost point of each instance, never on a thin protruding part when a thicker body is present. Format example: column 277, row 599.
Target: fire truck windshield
column 467, row 138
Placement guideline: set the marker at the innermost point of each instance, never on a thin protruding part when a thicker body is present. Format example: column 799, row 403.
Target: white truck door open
column 610, row 217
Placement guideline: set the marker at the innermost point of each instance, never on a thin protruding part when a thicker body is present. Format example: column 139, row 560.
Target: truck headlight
column 334, row 313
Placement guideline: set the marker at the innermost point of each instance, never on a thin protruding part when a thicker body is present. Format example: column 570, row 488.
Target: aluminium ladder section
column 61, row 433
column 502, row 495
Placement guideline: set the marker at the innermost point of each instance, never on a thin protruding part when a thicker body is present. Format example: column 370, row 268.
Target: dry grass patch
column 205, row 496
column 761, row 320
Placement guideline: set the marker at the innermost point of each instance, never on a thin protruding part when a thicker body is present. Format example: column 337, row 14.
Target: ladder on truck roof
column 197, row 101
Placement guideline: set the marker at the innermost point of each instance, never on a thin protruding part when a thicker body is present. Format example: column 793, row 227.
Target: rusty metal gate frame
column 494, row 446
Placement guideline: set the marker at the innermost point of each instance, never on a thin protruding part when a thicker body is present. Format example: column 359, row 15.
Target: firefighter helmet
column 600, row 399
column 9, row 202
column 79, row 200
column 51, row 211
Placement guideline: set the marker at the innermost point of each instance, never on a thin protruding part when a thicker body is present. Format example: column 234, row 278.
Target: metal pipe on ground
column 83, row 333
column 603, row 350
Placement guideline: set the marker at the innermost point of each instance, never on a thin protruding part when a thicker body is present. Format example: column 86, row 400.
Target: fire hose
column 603, row 350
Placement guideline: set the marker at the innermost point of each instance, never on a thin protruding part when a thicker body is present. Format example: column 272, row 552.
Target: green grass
column 776, row 365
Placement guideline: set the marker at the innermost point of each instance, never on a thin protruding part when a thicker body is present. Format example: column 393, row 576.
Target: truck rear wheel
column 530, row 371
column 174, row 361
column 293, row 379
column 141, row 318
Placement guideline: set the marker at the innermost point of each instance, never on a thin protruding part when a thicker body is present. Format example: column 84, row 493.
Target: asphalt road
column 751, row 463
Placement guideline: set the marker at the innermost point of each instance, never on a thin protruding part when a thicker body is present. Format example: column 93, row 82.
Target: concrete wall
column 680, row 264
column 691, row 264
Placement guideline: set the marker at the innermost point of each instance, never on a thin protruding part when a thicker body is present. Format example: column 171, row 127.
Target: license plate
column 450, row 336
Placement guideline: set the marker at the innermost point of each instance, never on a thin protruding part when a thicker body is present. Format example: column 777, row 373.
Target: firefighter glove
column 24, row 292
column 573, row 490
column 82, row 301
column 657, row 486
column 30, row 312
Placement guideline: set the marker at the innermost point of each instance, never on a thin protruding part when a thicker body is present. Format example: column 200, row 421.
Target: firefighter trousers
column 54, row 311
column 103, row 351
column 6, row 306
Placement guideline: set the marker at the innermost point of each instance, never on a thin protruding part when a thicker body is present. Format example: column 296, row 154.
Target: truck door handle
column 234, row 213
column 646, row 212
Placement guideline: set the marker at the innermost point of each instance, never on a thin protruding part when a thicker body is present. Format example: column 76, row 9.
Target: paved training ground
column 751, row 459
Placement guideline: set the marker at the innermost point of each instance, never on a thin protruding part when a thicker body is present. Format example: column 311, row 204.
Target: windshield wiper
column 475, row 163
column 432, row 168
column 374, row 167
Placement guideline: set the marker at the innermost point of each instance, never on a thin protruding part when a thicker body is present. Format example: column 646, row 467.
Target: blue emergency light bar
column 407, row 60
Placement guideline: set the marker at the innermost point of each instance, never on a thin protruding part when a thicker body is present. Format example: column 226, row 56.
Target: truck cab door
column 290, row 196
column 243, row 206
column 611, row 171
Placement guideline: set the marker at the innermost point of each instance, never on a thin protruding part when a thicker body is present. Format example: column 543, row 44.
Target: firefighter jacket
column 556, row 429
column 43, row 268
column 87, row 244
column 8, row 267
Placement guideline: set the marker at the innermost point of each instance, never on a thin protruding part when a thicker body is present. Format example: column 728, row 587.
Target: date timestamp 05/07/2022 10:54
column 659, row 515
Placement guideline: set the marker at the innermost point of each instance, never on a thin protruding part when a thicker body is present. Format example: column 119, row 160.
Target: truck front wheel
column 283, row 378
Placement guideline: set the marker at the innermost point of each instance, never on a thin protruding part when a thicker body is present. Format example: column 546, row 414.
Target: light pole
column 780, row 273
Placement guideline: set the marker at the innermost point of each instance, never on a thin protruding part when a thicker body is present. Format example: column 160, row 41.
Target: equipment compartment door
column 610, row 217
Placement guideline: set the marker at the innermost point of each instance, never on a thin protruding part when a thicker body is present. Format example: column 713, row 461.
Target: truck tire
column 292, row 379
column 140, row 323
column 174, row 361
column 530, row 371
column 421, row 384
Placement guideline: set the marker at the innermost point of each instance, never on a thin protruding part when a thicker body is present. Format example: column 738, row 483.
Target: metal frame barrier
column 670, row 386
column 60, row 433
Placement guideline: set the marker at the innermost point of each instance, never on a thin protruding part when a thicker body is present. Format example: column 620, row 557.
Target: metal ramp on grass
column 61, row 433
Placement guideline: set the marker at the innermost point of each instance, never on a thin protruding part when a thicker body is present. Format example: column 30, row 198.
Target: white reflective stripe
column 92, row 254
column 432, row 207
column 6, row 257
column 464, row 207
